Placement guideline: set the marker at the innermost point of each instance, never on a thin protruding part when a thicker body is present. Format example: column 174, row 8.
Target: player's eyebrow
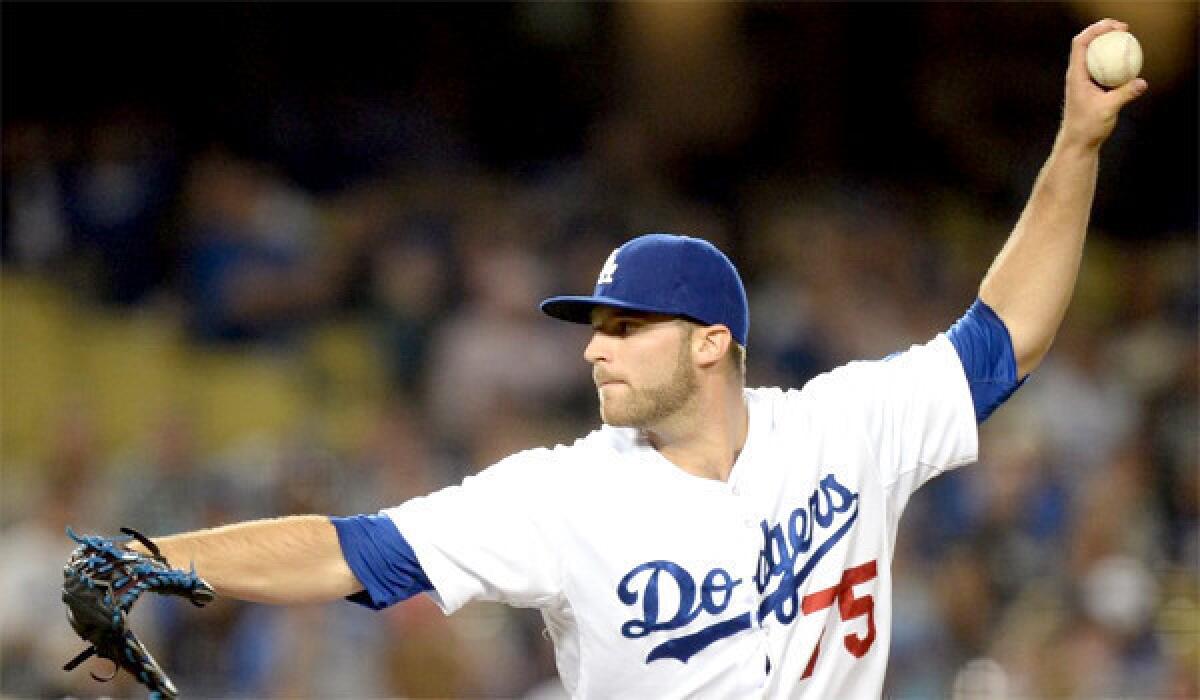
column 601, row 322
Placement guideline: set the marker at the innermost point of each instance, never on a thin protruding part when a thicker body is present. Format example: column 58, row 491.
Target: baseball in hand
column 1114, row 58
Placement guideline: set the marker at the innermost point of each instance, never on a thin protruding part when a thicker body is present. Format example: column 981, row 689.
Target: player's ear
column 710, row 344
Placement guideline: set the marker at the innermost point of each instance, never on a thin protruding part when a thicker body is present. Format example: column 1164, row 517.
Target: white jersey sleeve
column 916, row 410
column 488, row 538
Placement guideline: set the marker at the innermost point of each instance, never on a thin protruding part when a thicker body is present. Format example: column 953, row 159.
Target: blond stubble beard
column 644, row 408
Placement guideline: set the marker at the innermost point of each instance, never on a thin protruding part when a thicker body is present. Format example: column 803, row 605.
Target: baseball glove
column 101, row 582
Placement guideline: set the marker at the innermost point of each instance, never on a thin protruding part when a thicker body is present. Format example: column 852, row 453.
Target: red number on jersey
column 849, row 607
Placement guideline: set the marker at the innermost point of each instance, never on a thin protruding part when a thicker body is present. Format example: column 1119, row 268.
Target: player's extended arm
column 1031, row 281
column 296, row 559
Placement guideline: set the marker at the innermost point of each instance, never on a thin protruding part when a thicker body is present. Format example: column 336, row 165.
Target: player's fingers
column 1108, row 24
column 1128, row 92
column 1080, row 43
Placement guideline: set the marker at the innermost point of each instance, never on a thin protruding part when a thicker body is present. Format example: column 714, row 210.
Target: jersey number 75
column 849, row 607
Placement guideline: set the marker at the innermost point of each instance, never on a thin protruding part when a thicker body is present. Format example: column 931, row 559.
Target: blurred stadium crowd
column 197, row 333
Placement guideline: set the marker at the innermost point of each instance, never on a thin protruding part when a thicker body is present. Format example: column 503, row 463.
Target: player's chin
column 614, row 414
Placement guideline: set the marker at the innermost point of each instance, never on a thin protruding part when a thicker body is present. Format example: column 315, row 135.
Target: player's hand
column 1090, row 111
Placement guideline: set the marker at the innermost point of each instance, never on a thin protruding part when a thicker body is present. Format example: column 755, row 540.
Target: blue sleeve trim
column 382, row 560
column 985, row 349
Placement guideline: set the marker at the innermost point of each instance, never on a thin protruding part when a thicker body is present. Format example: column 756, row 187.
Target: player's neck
column 705, row 440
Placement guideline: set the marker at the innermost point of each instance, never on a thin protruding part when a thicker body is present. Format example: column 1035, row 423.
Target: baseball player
column 708, row 539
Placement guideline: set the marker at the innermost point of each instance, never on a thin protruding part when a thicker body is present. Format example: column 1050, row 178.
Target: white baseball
column 1114, row 58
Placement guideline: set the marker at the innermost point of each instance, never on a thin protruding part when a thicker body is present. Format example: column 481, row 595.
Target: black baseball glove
column 101, row 582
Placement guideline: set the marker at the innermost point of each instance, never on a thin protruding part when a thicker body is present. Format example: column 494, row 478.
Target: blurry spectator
column 170, row 486
column 790, row 342
column 1020, row 508
column 1171, row 421
column 411, row 290
column 1114, row 514
column 922, row 652
column 74, row 463
column 117, row 197
column 35, row 640
column 259, row 263
column 1119, row 594
column 400, row 459
column 1086, row 412
column 35, row 227
column 496, row 350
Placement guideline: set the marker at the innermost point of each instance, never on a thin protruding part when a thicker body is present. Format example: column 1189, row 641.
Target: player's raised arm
column 1031, row 281
column 295, row 559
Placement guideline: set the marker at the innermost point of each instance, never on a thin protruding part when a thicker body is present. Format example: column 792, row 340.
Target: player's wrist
column 1076, row 143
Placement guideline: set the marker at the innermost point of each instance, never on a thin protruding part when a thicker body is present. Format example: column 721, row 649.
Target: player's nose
column 597, row 349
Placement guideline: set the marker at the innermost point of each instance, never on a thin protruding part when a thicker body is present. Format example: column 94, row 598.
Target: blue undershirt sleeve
column 382, row 560
column 985, row 349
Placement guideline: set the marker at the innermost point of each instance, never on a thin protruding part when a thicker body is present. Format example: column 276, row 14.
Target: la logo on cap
column 609, row 269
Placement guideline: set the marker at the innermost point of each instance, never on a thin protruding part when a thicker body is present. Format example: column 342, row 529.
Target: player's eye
column 627, row 326
column 619, row 327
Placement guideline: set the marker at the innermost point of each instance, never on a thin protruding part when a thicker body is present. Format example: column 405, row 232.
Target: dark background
column 842, row 90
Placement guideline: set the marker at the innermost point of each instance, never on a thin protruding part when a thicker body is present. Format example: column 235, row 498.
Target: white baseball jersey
column 657, row 583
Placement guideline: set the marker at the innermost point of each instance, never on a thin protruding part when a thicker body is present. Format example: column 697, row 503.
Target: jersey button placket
column 747, row 519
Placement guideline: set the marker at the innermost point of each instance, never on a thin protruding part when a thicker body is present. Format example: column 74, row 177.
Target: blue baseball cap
column 666, row 274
